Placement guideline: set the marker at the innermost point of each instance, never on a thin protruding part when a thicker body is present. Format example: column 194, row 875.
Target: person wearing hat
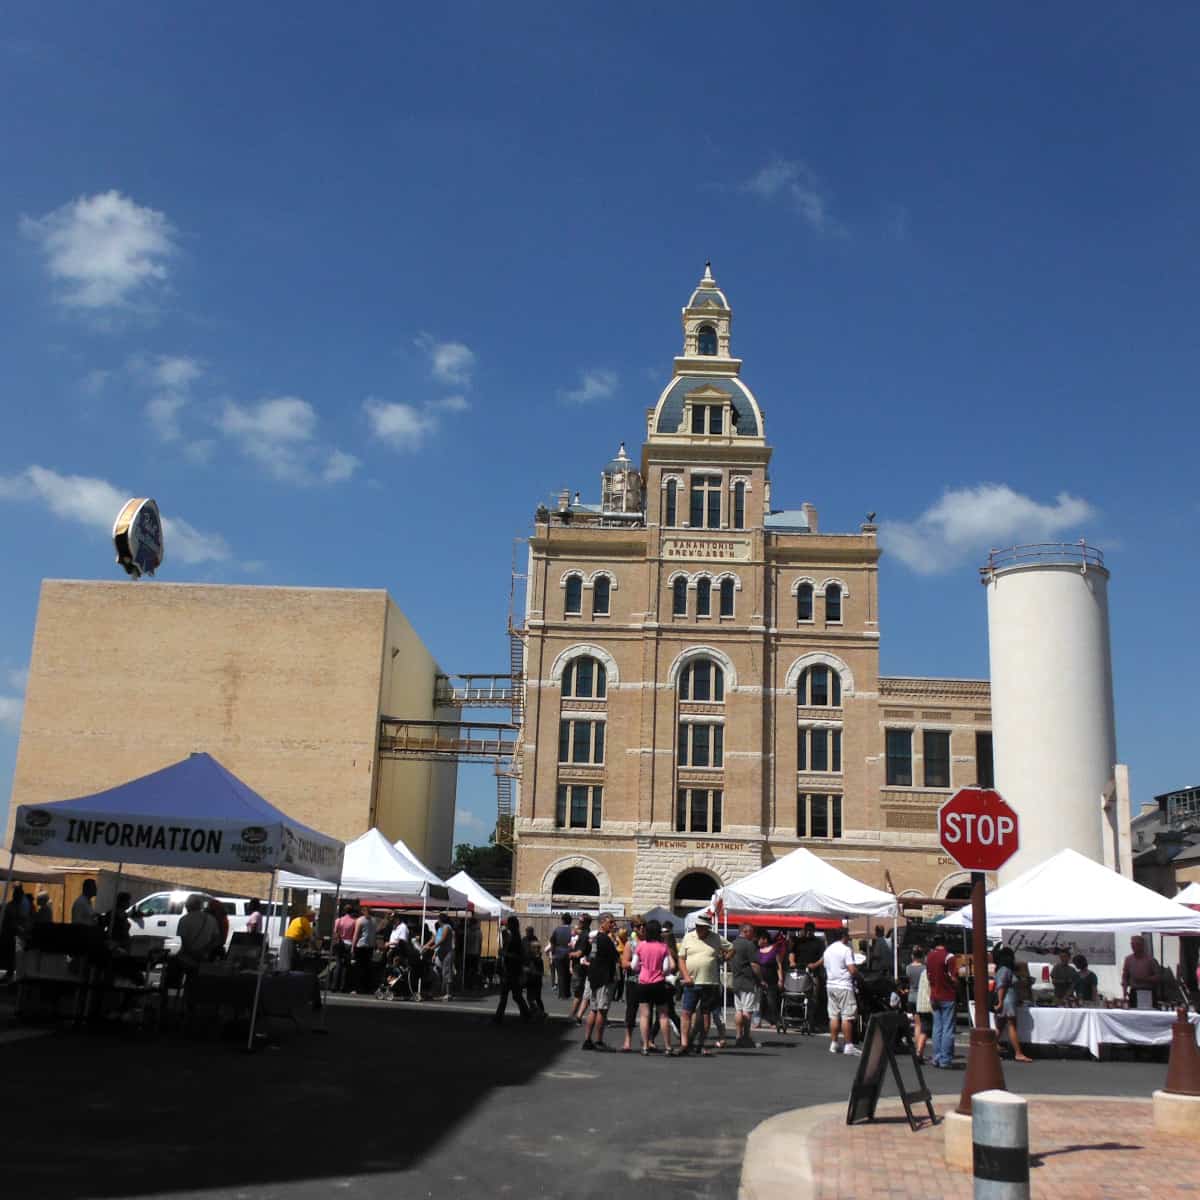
column 700, row 956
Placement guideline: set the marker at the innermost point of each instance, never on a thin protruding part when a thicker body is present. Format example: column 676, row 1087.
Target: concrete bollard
column 1000, row 1137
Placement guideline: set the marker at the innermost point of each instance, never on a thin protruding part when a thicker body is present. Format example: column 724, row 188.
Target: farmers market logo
column 252, row 847
column 254, row 835
column 38, row 819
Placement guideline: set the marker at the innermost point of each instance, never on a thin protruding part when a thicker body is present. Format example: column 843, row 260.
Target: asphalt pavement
column 430, row 1100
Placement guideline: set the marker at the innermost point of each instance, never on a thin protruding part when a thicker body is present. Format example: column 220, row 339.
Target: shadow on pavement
column 127, row 1114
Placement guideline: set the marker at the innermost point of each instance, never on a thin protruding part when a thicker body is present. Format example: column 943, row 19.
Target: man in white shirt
column 839, row 992
column 199, row 933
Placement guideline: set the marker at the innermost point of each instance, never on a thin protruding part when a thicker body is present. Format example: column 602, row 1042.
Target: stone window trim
column 612, row 672
column 668, row 477
column 556, row 868
column 833, row 579
column 589, row 580
column 747, row 481
column 694, row 652
column 820, row 657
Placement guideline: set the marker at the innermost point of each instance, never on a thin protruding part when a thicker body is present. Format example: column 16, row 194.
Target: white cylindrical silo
column 1053, row 734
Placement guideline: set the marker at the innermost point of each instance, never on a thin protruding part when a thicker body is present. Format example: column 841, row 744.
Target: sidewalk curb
column 777, row 1150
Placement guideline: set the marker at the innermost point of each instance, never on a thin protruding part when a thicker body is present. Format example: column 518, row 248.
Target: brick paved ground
column 1086, row 1149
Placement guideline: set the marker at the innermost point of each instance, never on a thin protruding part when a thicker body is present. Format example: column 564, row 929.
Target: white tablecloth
column 1090, row 1027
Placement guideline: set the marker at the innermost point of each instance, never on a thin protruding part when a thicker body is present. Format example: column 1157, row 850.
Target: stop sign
column 978, row 829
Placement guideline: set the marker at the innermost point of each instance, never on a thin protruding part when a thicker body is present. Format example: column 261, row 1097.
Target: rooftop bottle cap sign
column 138, row 537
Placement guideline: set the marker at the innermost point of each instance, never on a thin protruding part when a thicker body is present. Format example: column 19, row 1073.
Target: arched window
column 727, row 597
column 706, row 340
column 576, row 881
column 702, row 679
column 585, row 678
column 739, row 505
column 804, row 602
column 679, row 597
column 600, row 589
column 693, row 891
column 819, row 686
column 573, row 605
column 833, row 602
column 672, row 501
column 704, row 598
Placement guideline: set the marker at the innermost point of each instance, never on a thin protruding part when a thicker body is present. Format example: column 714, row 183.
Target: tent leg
column 12, row 858
column 896, row 944
column 262, row 962
column 421, row 972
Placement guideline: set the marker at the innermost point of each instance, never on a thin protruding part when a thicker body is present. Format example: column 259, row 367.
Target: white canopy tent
column 374, row 869
column 801, row 884
column 480, row 897
column 1189, row 896
column 1075, row 894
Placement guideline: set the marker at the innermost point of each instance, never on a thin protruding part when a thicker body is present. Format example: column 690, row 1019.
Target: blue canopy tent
column 192, row 814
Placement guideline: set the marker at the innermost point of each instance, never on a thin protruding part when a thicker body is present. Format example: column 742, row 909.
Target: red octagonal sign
column 978, row 829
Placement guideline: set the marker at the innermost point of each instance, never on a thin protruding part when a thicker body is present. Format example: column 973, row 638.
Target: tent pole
column 262, row 962
column 12, row 858
column 896, row 943
column 421, row 943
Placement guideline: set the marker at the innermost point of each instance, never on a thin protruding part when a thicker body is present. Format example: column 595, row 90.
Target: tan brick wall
column 281, row 685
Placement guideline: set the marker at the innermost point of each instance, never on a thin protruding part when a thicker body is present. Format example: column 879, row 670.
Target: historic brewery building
column 702, row 687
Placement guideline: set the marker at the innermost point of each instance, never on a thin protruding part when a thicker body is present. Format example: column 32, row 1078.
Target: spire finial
column 708, row 275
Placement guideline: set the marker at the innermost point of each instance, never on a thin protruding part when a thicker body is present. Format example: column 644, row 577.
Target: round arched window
column 576, row 881
column 706, row 340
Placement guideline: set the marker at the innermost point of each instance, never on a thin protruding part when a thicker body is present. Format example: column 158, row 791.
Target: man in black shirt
column 579, row 951
column 601, row 964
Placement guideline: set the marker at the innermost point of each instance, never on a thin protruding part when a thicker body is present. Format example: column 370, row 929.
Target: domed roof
column 707, row 294
column 671, row 402
column 621, row 463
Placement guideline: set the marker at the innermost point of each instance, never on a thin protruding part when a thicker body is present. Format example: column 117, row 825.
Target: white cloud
column 454, row 404
column 401, row 426
column 967, row 522
column 95, row 503
column 281, row 434
column 95, row 381
column 339, row 467
column 452, row 363
column 596, row 384
column 10, row 713
column 105, row 250
column 172, row 376
column 797, row 185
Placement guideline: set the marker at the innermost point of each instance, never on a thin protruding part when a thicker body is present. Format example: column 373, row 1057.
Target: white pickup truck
column 157, row 916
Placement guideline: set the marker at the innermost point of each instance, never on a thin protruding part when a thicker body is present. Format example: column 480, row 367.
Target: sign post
column 979, row 830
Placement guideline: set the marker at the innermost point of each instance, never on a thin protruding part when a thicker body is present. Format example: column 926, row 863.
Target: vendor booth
column 1070, row 894
column 191, row 815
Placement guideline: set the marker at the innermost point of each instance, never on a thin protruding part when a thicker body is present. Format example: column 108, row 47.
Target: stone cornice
column 896, row 687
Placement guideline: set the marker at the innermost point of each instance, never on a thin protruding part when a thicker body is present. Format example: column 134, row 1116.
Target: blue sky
column 350, row 290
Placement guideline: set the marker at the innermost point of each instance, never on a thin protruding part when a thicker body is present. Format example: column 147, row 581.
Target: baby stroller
column 399, row 980
column 796, row 1000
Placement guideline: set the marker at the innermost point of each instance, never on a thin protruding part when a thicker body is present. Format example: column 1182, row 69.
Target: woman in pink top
column 653, row 962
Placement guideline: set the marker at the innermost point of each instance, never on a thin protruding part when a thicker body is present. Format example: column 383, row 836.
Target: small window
column 584, row 679
column 672, row 497
column 819, row 750
column 727, row 597
column 701, row 744
column 699, row 417
column 833, row 602
column 899, row 758
column 679, row 597
column 716, row 418
column 739, row 505
column 819, row 686
column 600, row 592
column 819, row 811
column 804, row 602
column 835, row 816
column 936, row 746
column 704, row 598
column 705, row 502
column 578, row 806
column 580, row 742
column 698, row 810
column 818, row 815
column 985, row 772
column 706, row 340
column 574, row 601
column 703, row 680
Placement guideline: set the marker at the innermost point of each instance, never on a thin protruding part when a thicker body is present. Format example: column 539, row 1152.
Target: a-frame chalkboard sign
column 888, row 1034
